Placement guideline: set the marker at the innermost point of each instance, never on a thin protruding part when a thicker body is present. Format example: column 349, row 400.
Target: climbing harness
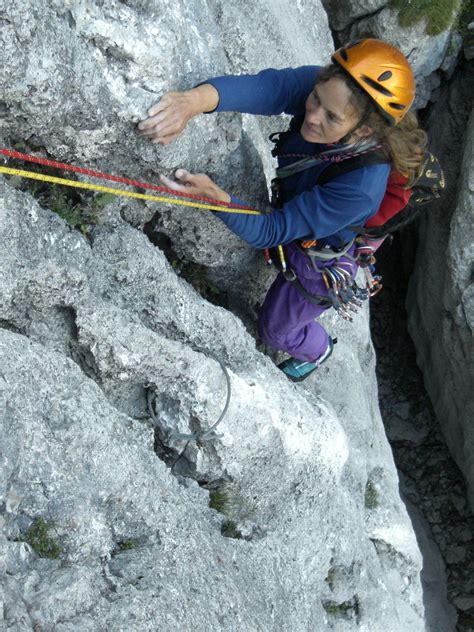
column 343, row 294
column 206, row 203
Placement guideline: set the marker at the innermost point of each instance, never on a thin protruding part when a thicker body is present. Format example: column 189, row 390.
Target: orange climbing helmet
column 383, row 72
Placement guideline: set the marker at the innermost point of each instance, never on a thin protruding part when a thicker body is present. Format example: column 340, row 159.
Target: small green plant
column 127, row 545
column 226, row 500
column 439, row 14
column 78, row 208
column 229, row 529
column 78, row 214
column 38, row 538
column 344, row 609
column 219, row 499
column 371, row 496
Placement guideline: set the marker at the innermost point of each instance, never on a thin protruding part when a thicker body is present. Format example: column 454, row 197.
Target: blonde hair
column 403, row 144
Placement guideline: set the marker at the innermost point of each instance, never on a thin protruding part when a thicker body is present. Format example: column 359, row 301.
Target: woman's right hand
column 169, row 117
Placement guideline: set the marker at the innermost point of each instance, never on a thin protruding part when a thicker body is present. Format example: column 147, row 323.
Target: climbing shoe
column 298, row 370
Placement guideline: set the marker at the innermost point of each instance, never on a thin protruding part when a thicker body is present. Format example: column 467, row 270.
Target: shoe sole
column 303, row 377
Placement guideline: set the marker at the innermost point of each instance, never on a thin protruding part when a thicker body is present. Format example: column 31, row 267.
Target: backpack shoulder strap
column 336, row 169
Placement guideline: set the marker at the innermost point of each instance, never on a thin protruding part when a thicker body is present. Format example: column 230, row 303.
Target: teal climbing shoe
column 298, row 370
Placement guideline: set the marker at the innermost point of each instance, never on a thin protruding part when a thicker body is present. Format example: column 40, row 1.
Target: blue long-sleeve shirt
column 309, row 211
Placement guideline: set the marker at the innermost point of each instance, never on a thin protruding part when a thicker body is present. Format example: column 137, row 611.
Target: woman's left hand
column 197, row 184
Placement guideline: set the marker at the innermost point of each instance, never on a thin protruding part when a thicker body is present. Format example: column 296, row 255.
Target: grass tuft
column 38, row 538
column 127, row 544
column 371, row 496
column 346, row 609
column 439, row 14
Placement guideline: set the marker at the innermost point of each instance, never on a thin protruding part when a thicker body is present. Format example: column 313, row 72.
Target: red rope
column 106, row 176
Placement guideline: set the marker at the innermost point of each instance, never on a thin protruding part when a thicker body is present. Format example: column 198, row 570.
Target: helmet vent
column 343, row 54
column 385, row 75
column 397, row 106
column 376, row 86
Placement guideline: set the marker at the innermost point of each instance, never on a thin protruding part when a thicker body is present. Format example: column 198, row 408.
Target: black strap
column 315, row 299
column 336, row 169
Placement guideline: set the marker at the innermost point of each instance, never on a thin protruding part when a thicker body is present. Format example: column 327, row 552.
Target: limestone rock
column 88, row 326
column 440, row 614
column 444, row 332
column 343, row 14
column 85, row 326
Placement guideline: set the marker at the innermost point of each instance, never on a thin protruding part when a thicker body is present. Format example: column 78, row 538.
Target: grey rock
column 443, row 333
column 79, row 458
column 402, row 410
column 342, row 15
column 452, row 54
column 464, row 602
column 399, row 430
column 455, row 555
column 440, row 614
column 468, row 47
column 87, row 325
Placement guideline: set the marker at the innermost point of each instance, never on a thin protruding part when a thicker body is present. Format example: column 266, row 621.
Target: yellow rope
column 120, row 192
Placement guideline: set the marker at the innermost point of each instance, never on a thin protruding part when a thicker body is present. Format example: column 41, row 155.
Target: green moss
column 439, row 14
column 344, row 609
column 219, row 499
column 226, row 500
column 38, row 538
column 127, row 544
column 371, row 496
column 229, row 529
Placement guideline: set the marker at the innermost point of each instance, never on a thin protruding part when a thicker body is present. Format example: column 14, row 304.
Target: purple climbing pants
column 287, row 320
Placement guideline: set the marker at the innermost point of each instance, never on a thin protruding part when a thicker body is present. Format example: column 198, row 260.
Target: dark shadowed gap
column 430, row 479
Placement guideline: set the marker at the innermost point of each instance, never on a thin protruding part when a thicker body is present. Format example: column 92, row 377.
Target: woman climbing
column 357, row 107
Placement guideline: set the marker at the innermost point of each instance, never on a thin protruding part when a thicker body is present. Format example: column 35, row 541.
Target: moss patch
column 344, row 610
column 439, row 14
column 38, row 538
column 235, row 509
column 371, row 496
column 127, row 544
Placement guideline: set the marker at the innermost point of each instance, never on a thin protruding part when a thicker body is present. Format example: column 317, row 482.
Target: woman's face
column 329, row 113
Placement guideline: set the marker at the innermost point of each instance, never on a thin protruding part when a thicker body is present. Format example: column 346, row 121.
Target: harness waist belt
column 328, row 253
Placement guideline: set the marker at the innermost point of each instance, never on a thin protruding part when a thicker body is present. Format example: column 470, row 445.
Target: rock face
column 311, row 533
column 444, row 332
column 84, row 328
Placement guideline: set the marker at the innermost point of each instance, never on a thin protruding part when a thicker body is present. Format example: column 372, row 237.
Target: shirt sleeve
column 321, row 212
column 269, row 92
